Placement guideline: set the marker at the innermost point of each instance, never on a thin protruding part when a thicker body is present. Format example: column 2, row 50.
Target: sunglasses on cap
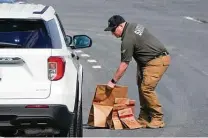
column 114, row 29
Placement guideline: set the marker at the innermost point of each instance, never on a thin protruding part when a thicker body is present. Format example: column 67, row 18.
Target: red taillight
column 36, row 106
column 56, row 68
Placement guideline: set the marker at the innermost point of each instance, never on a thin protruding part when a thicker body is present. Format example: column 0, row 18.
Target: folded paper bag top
column 122, row 101
column 106, row 96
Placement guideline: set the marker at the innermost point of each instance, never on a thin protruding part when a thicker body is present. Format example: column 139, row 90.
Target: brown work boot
column 156, row 123
column 143, row 119
column 143, row 122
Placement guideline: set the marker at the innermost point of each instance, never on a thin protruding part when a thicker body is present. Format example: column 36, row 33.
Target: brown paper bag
column 132, row 105
column 114, row 122
column 128, row 119
column 103, row 102
column 106, row 96
column 122, row 103
column 98, row 115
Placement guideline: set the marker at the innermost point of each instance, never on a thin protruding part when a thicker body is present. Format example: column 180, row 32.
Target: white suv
column 40, row 75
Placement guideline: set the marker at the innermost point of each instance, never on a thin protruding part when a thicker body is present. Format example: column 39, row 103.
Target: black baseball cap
column 114, row 21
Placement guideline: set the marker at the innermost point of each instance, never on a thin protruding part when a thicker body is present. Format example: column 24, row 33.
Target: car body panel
column 25, row 80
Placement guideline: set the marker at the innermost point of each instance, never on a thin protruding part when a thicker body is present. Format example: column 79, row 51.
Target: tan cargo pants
column 148, row 79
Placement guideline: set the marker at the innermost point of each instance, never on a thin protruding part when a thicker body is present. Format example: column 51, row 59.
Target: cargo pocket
column 151, row 78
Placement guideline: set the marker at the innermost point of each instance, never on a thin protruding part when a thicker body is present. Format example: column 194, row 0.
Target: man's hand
column 119, row 73
column 111, row 85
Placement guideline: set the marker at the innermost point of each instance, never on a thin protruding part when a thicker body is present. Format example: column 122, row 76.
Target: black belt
column 162, row 54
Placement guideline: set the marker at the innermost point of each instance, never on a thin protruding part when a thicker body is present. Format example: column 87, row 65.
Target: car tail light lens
column 36, row 106
column 56, row 68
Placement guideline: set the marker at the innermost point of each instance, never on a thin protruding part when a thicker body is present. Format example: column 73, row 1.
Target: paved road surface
column 183, row 89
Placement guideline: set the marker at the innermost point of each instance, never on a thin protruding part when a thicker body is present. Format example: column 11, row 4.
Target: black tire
column 72, row 130
column 79, row 121
column 79, row 116
column 76, row 128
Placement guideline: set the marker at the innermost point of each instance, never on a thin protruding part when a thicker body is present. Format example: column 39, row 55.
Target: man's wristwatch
column 113, row 81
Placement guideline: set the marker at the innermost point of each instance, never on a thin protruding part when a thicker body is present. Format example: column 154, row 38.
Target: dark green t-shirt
column 139, row 43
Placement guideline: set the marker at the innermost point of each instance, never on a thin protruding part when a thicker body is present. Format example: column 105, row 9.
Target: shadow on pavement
column 86, row 126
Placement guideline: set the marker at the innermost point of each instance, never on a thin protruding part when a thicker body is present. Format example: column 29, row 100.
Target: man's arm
column 120, row 71
column 126, row 56
column 127, row 47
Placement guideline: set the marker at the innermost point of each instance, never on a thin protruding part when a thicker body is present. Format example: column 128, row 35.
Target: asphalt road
column 183, row 89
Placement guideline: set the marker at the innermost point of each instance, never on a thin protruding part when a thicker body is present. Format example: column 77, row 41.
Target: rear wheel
column 79, row 116
column 76, row 129
column 79, row 122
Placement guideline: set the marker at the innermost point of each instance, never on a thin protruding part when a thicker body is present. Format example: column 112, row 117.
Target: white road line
column 96, row 67
column 204, row 72
column 85, row 55
column 192, row 19
column 78, row 51
column 91, row 61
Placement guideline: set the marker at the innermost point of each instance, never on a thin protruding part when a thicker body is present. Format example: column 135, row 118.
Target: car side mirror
column 79, row 41
column 68, row 40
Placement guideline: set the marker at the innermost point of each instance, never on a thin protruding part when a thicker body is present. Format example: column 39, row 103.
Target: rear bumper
column 17, row 117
